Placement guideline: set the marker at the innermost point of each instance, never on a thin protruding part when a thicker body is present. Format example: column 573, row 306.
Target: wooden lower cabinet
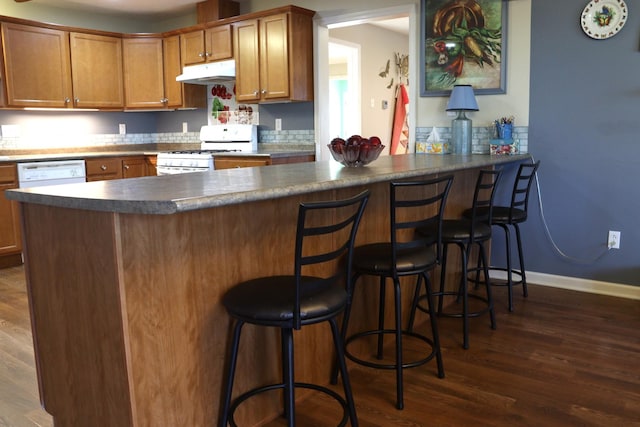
column 10, row 236
column 229, row 162
column 105, row 168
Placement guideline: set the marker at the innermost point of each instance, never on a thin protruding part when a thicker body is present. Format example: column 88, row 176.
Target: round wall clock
column 602, row 19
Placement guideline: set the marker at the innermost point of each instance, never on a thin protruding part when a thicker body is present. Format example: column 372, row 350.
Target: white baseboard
column 577, row 284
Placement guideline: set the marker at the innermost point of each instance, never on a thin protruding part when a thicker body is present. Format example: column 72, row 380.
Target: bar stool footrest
column 503, row 282
column 376, row 365
column 253, row 392
column 458, row 315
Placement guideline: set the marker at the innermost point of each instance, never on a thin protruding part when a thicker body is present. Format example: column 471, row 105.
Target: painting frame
column 448, row 52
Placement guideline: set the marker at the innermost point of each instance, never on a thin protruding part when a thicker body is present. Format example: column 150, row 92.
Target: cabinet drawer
column 104, row 168
column 228, row 163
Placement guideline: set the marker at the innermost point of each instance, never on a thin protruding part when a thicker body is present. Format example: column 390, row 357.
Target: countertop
column 170, row 194
column 266, row 150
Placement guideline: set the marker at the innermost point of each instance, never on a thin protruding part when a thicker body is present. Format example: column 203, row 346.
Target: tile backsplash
column 480, row 142
column 480, row 137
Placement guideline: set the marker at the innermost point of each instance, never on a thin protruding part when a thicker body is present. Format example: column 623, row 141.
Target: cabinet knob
column 126, row 167
column 201, row 54
column 103, row 167
column 207, row 54
column 76, row 100
column 67, row 100
column 255, row 93
column 164, row 100
column 263, row 91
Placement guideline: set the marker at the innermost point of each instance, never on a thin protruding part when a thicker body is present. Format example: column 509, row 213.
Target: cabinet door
column 218, row 43
column 192, row 48
column 274, row 57
column 143, row 71
column 172, row 69
column 37, row 66
column 10, row 239
column 96, row 62
column 247, row 56
column 134, row 167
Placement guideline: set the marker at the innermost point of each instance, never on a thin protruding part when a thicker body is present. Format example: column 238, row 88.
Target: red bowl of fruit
column 356, row 150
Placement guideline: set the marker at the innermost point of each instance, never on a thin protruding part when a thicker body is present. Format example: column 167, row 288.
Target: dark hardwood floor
column 563, row 358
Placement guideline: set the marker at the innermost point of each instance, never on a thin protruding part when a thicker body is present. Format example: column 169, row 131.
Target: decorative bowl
column 355, row 155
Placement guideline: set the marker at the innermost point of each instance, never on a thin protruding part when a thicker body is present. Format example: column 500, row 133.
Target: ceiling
column 127, row 7
column 169, row 7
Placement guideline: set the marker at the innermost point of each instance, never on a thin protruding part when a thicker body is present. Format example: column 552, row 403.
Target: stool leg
column 507, row 239
column 434, row 325
column 485, row 267
column 345, row 322
column 224, row 418
column 464, row 253
column 346, row 383
column 287, row 375
column 525, row 292
column 414, row 304
column 381, row 317
column 443, row 276
column 398, row 308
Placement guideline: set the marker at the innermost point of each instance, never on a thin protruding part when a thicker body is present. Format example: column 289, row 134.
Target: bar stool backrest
column 325, row 233
column 483, row 196
column 521, row 190
column 417, row 204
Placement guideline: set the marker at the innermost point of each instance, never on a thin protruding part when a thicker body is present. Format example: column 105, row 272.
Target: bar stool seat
column 412, row 204
column 325, row 239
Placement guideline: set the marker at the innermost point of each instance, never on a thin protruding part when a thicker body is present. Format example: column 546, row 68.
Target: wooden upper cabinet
column 144, row 72
column 96, row 62
column 151, row 65
column 274, row 58
column 37, row 66
column 247, row 56
column 211, row 44
column 172, row 69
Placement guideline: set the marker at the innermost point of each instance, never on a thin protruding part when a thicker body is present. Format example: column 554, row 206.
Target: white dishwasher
column 37, row 174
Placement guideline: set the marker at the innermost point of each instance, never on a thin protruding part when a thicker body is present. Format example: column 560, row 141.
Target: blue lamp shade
column 462, row 99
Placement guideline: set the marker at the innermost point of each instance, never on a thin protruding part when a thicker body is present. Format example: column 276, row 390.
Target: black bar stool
column 464, row 233
column 297, row 300
column 412, row 205
column 513, row 215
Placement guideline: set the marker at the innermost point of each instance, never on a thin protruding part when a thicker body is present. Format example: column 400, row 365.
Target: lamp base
column 461, row 130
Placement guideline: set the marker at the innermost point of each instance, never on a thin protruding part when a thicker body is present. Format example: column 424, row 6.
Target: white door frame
column 321, row 68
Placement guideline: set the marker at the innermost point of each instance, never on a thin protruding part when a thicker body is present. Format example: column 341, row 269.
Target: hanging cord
column 548, row 233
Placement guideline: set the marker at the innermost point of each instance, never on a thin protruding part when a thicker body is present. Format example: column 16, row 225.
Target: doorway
column 344, row 89
column 323, row 110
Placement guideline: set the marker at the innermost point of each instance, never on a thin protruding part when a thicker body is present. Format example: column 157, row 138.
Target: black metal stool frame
column 464, row 233
column 402, row 256
column 513, row 215
column 291, row 302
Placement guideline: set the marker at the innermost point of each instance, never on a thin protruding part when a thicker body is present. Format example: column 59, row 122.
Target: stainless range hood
column 211, row 72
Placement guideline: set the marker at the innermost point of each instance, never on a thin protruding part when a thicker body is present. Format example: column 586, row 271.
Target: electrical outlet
column 614, row 240
column 278, row 124
column 185, row 127
column 123, row 128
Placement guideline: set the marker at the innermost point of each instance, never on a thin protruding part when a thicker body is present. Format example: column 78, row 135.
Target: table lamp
column 462, row 99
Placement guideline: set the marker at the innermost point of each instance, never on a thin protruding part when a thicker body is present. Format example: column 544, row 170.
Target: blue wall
column 584, row 127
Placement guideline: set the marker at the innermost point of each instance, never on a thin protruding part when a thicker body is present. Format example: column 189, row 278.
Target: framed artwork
column 463, row 42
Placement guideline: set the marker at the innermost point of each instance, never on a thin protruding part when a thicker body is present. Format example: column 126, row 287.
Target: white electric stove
column 214, row 139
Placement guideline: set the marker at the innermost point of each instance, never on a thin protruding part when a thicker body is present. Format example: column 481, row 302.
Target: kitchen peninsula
column 125, row 278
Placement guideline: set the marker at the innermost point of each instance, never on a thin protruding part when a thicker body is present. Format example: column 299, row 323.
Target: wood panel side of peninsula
column 126, row 315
